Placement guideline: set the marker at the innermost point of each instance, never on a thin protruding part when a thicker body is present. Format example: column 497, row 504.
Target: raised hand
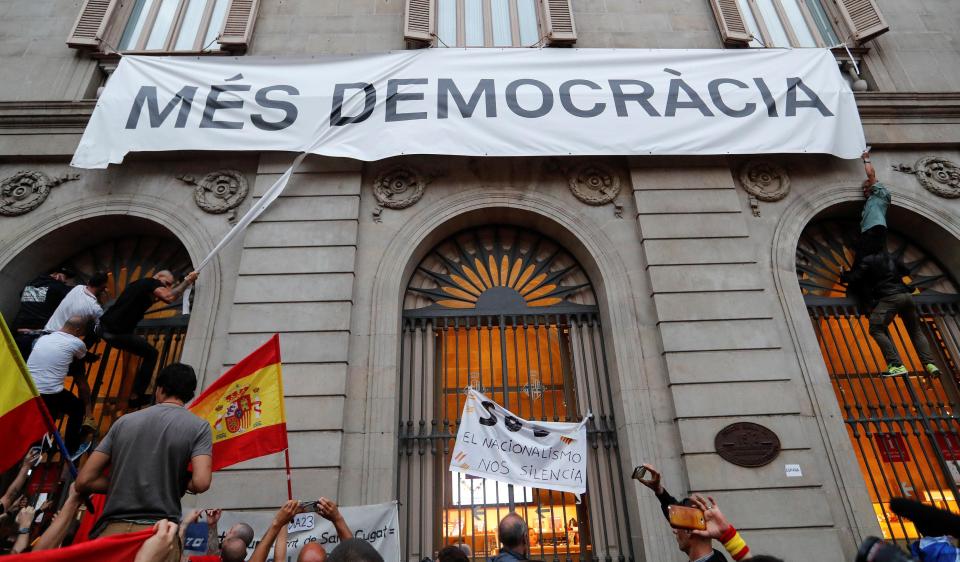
column 287, row 512
column 213, row 516
column 25, row 517
column 652, row 480
column 328, row 509
column 717, row 524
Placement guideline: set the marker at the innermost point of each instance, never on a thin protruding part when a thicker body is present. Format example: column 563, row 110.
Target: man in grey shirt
column 148, row 453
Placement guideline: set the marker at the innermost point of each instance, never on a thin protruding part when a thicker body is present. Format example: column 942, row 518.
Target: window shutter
column 418, row 23
column 733, row 28
column 558, row 22
column 864, row 19
column 238, row 25
column 91, row 23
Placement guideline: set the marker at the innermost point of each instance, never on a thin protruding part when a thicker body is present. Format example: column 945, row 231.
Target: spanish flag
column 22, row 412
column 244, row 408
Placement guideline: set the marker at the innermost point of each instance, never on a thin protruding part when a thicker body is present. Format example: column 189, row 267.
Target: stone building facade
column 711, row 283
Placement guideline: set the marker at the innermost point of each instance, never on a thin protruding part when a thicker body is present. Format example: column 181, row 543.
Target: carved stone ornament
column 398, row 188
column 24, row 191
column 594, row 184
column 938, row 176
column 747, row 444
column 765, row 180
column 218, row 192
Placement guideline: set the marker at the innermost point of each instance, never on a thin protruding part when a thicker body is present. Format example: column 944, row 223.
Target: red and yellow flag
column 22, row 412
column 244, row 408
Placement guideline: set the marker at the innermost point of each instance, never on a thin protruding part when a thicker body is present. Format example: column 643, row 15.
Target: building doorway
column 904, row 430
column 511, row 313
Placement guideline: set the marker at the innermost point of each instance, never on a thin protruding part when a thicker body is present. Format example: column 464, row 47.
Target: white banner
column 377, row 523
column 493, row 443
column 480, row 102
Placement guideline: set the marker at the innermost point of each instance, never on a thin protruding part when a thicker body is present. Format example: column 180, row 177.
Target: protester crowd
column 152, row 457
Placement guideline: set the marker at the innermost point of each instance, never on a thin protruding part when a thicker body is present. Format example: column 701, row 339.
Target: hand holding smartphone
column 690, row 518
column 648, row 476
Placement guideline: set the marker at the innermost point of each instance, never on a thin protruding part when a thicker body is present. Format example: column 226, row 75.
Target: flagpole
column 286, row 457
column 283, row 415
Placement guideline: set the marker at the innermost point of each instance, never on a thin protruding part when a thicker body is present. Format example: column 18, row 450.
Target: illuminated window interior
column 509, row 312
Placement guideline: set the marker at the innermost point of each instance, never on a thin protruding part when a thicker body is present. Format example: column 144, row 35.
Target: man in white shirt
column 48, row 365
column 82, row 301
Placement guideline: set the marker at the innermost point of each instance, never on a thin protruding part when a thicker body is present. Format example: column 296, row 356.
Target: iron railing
column 904, row 429
column 548, row 367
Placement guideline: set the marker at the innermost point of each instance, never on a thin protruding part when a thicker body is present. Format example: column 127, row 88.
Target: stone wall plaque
column 747, row 444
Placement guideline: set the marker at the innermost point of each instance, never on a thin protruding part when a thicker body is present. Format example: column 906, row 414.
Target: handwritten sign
column 493, row 443
column 302, row 522
column 378, row 524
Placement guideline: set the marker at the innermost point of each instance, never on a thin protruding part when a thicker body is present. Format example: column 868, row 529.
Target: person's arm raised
column 868, row 168
column 720, row 529
column 55, row 533
column 213, row 535
column 328, row 510
column 91, row 479
column 280, row 520
column 24, row 520
column 14, row 489
column 170, row 295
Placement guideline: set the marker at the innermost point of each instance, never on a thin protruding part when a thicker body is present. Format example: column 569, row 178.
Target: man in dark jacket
column 880, row 278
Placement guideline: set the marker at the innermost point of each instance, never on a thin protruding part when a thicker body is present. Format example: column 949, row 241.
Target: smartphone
column 309, row 506
column 639, row 473
column 682, row 517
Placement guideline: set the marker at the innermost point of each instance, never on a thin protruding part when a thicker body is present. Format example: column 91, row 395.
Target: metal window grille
column 904, row 430
column 506, row 318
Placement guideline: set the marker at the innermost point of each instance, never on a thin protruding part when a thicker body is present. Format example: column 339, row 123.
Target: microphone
column 930, row 521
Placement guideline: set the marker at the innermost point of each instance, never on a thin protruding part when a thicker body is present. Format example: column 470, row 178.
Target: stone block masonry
column 296, row 278
column 724, row 355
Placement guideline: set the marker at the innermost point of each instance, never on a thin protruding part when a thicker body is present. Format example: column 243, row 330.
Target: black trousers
column 25, row 343
column 140, row 347
column 64, row 403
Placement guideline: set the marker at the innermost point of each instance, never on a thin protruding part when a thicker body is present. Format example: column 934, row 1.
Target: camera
column 873, row 549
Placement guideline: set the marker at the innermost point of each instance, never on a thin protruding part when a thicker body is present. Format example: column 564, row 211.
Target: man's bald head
column 512, row 532
column 164, row 276
column 242, row 531
column 312, row 552
column 75, row 326
column 233, row 549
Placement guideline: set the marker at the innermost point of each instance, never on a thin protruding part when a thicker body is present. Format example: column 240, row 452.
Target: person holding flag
column 155, row 456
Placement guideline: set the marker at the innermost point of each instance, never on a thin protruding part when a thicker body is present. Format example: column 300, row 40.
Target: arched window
column 904, row 429
column 511, row 313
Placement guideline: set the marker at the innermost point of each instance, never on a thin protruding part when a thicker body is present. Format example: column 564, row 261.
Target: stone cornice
column 36, row 117
column 908, row 107
column 891, row 108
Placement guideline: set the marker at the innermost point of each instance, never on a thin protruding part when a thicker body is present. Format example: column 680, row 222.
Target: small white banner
column 495, row 444
column 377, row 524
column 480, row 102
